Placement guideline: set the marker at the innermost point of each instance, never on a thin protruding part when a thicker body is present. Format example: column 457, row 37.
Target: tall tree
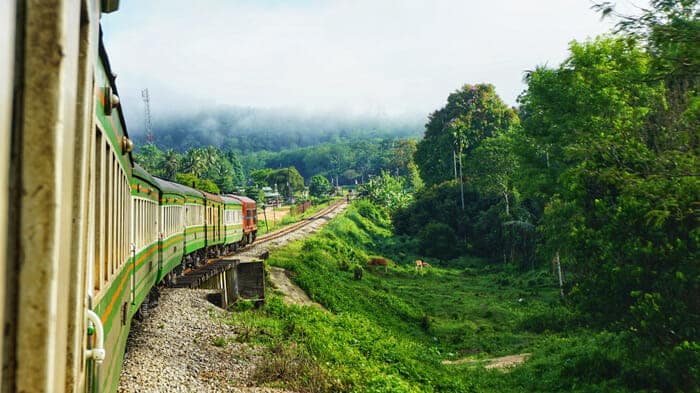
column 319, row 186
column 170, row 164
column 622, row 141
column 472, row 113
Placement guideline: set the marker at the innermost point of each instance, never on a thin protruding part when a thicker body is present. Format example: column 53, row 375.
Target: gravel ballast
column 174, row 349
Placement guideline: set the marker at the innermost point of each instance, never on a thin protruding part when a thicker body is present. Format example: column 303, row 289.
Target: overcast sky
column 359, row 57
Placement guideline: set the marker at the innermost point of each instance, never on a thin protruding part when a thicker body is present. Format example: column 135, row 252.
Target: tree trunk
column 561, row 281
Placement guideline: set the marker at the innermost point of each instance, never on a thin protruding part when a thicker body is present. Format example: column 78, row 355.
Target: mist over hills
column 251, row 129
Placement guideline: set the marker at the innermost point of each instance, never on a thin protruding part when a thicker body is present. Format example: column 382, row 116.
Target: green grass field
column 390, row 331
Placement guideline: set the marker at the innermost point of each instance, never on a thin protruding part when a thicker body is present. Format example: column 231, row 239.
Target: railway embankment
column 187, row 344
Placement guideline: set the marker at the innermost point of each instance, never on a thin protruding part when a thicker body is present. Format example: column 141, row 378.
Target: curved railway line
column 185, row 324
column 300, row 224
column 192, row 278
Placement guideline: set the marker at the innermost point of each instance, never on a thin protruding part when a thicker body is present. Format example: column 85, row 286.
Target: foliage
column 347, row 162
column 252, row 130
column 621, row 149
column 386, row 191
column 391, row 331
column 191, row 180
column 210, row 164
column 283, row 179
column 319, row 186
column 149, row 156
column 439, row 240
column 472, row 114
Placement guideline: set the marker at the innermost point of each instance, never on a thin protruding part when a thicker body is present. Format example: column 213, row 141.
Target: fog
column 366, row 58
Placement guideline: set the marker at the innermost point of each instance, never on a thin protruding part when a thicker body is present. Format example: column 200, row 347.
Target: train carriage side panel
column 194, row 222
column 111, row 209
column 69, row 173
column 233, row 221
column 145, row 194
column 7, row 37
column 213, row 220
column 250, row 218
column 172, row 227
column 43, row 338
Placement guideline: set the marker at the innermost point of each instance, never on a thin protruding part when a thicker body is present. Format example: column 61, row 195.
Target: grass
column 389, row 331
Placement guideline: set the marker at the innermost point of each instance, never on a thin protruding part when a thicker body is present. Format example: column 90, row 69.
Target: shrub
column 438, row 240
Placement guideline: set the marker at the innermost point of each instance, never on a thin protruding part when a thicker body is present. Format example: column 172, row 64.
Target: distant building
column 272, row 197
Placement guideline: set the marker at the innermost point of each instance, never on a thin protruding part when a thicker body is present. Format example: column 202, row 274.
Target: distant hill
column 249, row 130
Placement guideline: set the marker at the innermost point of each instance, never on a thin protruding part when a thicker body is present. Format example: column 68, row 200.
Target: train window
column 109, row 229
column 97, row 212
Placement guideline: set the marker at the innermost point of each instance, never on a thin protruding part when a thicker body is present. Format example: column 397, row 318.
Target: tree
column 319, row 186
column 196, row 162
column 386, row 191
column 149, row 156
column 621, row 145
column 193, row 181
column 492, row 166
column 472, row 114
column 170, row 164
column 286, row 179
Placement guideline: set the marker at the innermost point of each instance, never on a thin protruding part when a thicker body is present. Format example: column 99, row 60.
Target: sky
column 388, row 58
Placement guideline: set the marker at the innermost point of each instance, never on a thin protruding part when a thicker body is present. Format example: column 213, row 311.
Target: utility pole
column 147, row 109
column 461, row 177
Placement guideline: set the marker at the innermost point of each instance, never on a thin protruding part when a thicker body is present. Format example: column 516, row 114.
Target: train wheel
column 142, row 313
column 153, row 297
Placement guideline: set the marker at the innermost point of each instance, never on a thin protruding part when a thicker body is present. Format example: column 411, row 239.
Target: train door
column 207, row 223
column 218, row 223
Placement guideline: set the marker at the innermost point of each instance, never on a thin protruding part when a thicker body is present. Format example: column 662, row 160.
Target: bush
column 438, row 240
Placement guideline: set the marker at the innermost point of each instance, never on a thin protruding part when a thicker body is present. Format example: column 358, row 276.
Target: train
column 88, row 235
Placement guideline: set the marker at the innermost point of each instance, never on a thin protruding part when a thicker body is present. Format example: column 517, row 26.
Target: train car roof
column 213, row 197
column 170, row 187
column 229, row 200
column 242, row 198
column 189, row 191
column 141, row 173
column 177, row 188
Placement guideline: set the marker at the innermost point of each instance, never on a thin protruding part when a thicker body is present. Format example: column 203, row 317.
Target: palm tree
column 170, row 164
column 195, row 162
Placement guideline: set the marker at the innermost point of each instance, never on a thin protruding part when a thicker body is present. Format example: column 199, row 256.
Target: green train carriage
column 233, row 223
column 146, row 239
column 172, row 230
column 76, row 203
column 213, row 224
column 111, row 293
column 195, row 236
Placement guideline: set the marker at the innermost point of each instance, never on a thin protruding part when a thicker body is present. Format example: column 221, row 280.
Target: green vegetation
column 390, row 332
column 191, row 180
column 597, row 169
column 209, row 169
column 319, row 187
column 254, row 130
column 599, row 172
column 285, row 180
column 344, row 163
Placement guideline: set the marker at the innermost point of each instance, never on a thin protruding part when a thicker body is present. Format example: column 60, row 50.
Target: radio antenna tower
column 147, row 108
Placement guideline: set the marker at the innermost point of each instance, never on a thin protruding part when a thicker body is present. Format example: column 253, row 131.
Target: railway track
column 192, row 278
column 298, row 225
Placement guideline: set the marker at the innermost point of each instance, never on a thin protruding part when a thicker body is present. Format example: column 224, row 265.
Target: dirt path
column 292, row 293
column 501, row 363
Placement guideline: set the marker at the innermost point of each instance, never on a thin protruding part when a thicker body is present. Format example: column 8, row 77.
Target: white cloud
column 361, row 56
